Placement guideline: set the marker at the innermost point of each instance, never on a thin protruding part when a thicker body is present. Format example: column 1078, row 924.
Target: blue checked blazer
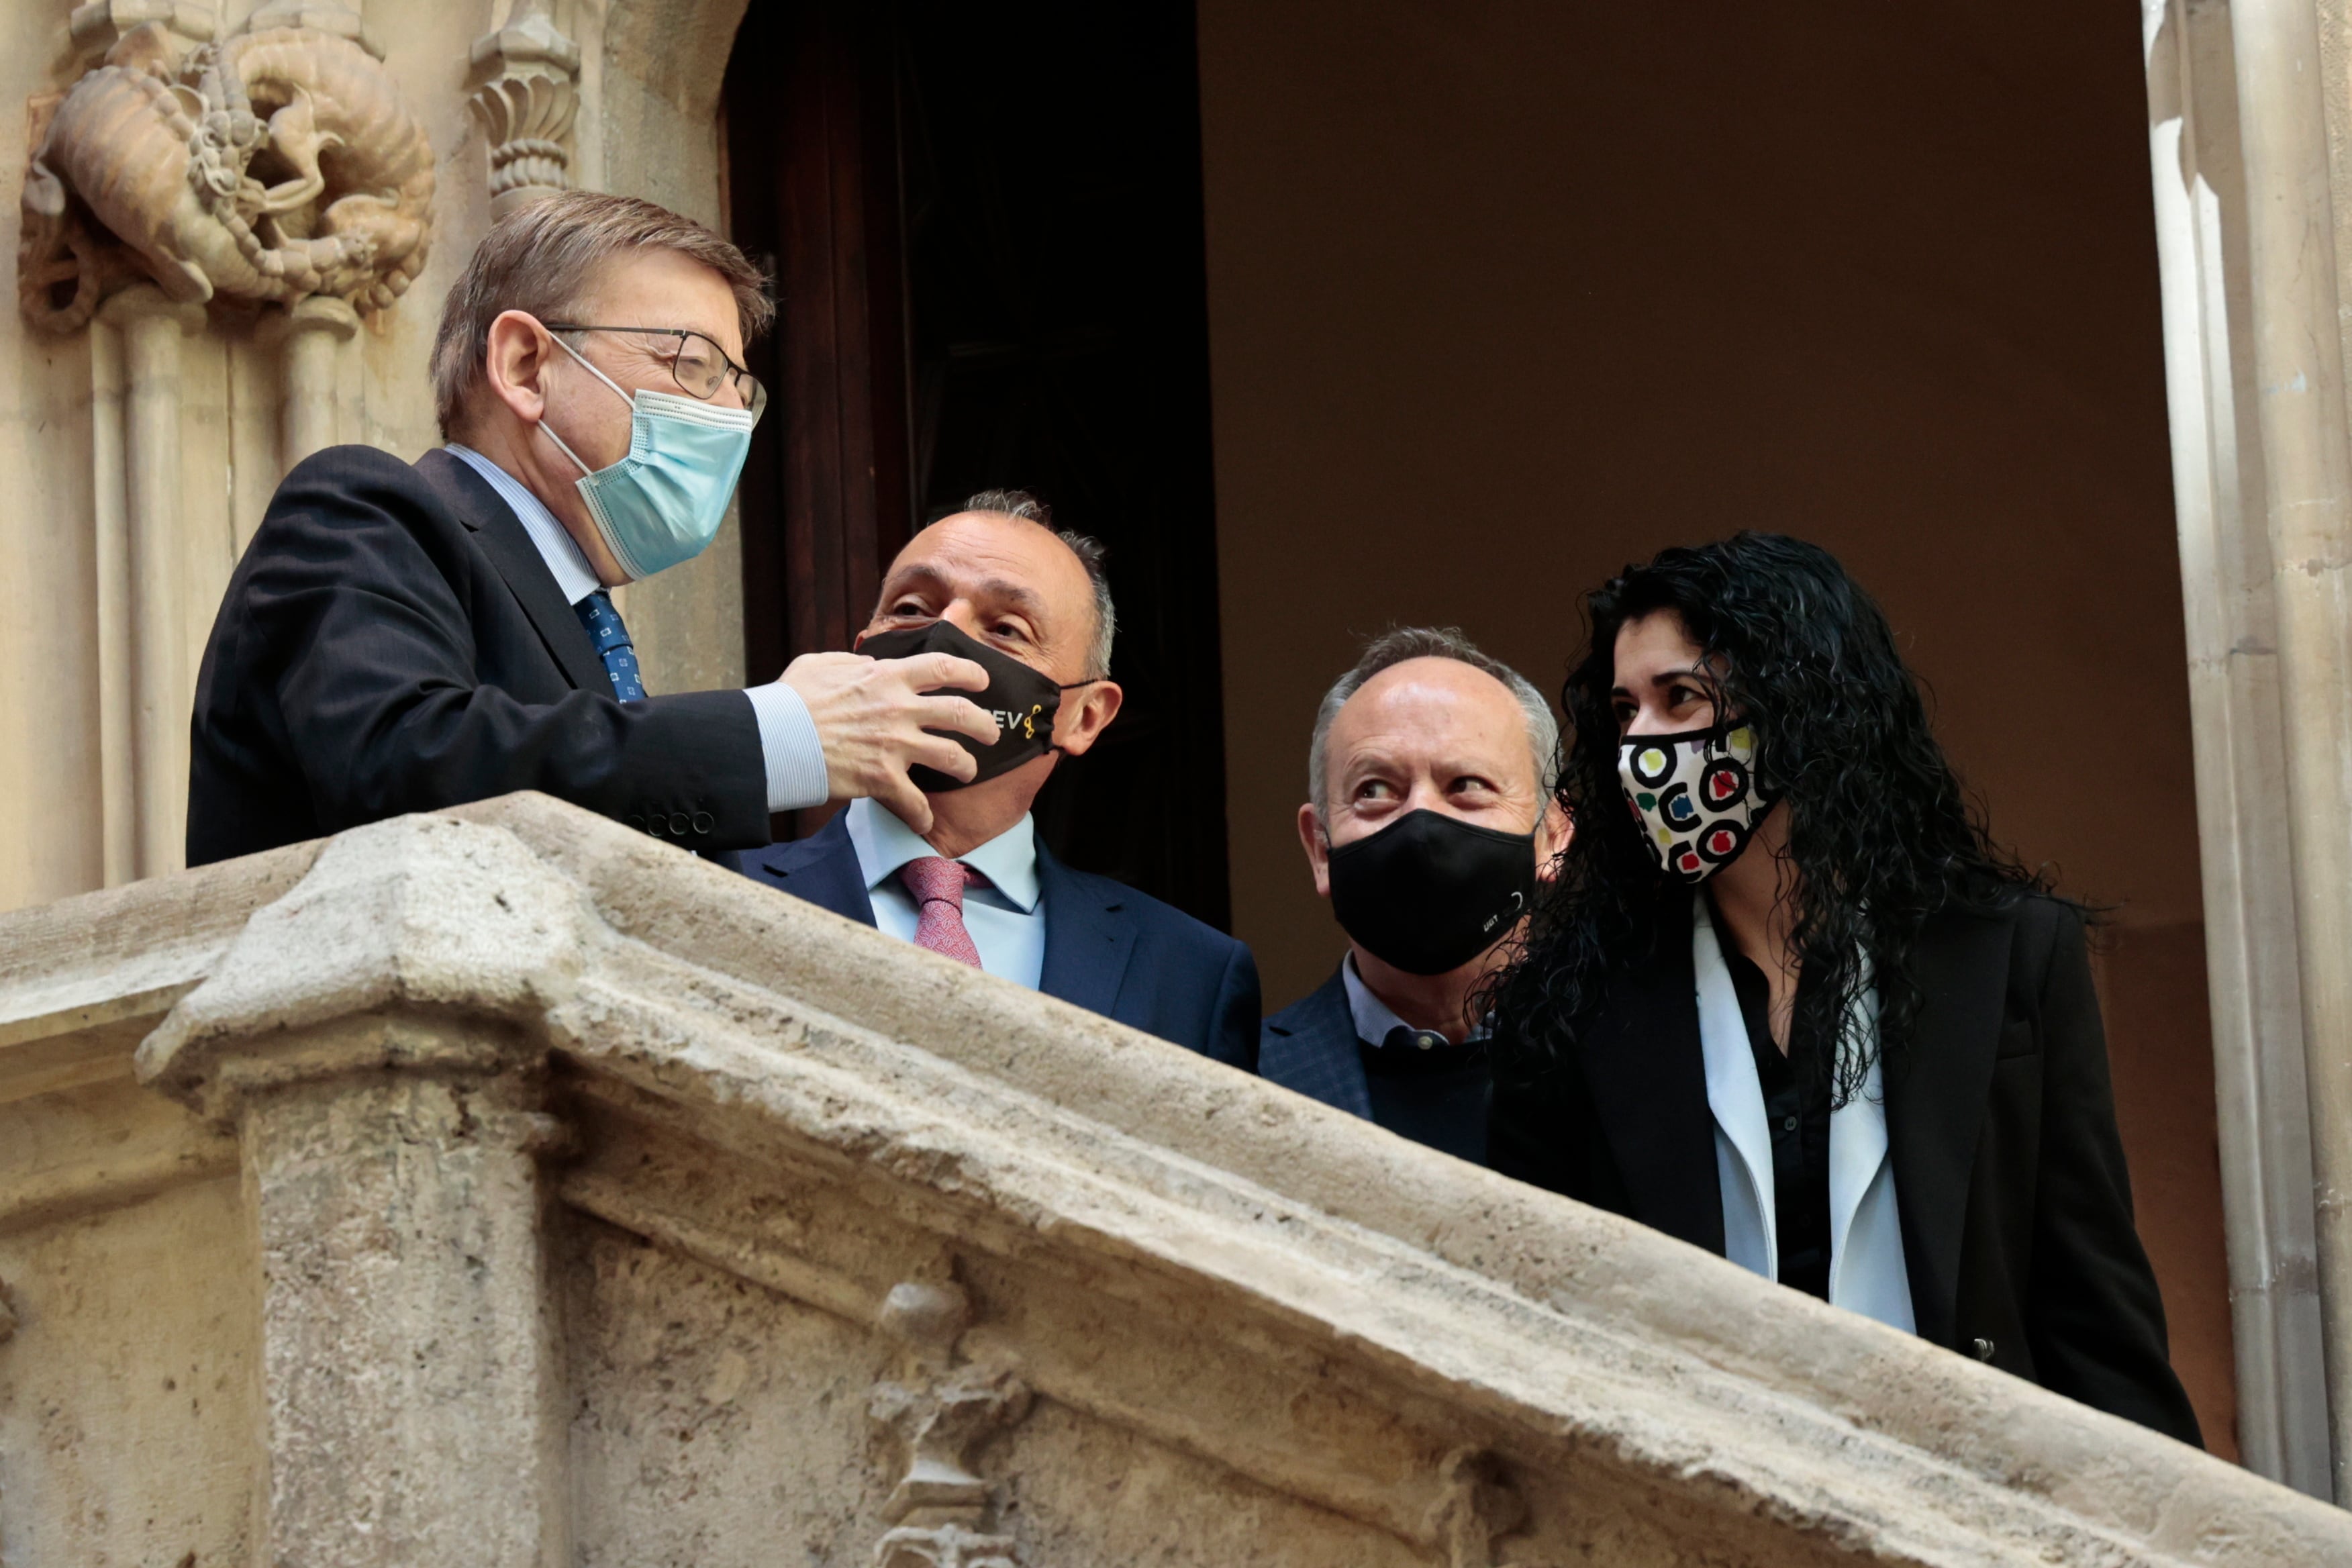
column 1311, row 1047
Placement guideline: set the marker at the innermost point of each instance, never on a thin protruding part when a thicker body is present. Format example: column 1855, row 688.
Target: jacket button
column 678, row 824
column 636, row 822
column 1983, row 1349
column 704, row 822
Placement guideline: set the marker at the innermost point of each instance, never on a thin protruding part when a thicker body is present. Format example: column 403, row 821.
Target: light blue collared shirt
column 788, row 738
column 1373, row 1018
column 1005, row 919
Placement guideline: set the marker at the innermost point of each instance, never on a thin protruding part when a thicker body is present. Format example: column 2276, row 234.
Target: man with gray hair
column 402, row 636
column 995, row 583
column 1428, row 822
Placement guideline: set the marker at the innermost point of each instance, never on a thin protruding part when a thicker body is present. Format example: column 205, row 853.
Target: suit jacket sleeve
column 2095, row 1315
column 1233, row 1031
column 371, row 658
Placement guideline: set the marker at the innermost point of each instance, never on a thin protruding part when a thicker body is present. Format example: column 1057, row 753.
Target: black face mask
column 1021, row 700
column 1430, row 892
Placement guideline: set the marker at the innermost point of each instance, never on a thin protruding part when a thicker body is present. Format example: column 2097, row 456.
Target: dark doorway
column 985, row 223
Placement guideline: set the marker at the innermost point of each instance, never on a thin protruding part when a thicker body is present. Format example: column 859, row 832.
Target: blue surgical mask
column 663, row 503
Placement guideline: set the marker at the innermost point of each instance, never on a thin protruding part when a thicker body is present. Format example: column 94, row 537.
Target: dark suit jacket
column 392, row 642
column 2008, row 1173
column 1109, row 949
column 1311, row 1047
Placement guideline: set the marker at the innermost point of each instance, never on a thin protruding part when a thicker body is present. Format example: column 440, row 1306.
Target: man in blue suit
column 996, row 585
column 1428, row 822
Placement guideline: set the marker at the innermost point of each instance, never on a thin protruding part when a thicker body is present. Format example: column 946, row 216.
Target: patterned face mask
column 1695, row 797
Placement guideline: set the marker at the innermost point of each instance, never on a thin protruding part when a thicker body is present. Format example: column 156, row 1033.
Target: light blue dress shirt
column 1373, row 1018
column 788, row 738
column 1005, row 919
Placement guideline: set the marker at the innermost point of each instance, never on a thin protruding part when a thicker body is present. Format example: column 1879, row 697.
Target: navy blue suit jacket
column 1109, row 949
column 1311, row 1047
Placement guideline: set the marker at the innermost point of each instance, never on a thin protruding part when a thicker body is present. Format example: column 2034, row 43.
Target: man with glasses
column 404, row 636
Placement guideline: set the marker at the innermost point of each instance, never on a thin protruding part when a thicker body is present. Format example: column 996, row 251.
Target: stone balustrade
column 502, row 1188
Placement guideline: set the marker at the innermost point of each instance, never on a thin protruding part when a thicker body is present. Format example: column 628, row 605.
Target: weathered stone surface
column 607, row 1207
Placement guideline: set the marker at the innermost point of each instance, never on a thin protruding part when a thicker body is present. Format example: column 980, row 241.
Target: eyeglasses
column 700, row 366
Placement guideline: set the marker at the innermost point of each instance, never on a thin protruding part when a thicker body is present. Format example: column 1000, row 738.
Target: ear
column 1553, row 834
column 1078, row 725
column 516, row 364
column 1318, row 849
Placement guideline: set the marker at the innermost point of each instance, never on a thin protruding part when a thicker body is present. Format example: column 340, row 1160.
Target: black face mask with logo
column 1022, row 701
column 1430, row 892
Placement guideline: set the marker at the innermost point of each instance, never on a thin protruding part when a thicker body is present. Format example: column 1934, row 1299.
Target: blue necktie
column 612, row 645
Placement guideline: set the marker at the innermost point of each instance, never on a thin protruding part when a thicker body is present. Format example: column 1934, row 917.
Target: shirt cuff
column 789, row 744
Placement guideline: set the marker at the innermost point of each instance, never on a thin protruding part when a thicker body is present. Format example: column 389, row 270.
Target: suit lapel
column 822, row 869
column 504, row 539
column 1643, row 1064
column 1089, row 936
column 1936, row 1101
column 1321, row 1053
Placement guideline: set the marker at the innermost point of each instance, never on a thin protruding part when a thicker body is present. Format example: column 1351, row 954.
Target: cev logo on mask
column 1025, row 723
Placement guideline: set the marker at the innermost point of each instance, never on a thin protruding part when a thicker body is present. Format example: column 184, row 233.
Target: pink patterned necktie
column 938, row 885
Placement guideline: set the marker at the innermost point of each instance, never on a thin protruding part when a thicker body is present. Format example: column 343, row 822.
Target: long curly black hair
column 1881, row 834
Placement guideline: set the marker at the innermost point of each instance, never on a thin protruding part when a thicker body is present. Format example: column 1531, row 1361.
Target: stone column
column 118, row 743
column 371, row 1038
column 407, row 1365
column 306, row 337
column 2240, row 733
column 2298, row 368
column 155, row 627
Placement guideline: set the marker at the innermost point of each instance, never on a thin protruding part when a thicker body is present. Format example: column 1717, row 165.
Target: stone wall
column 599, row 1206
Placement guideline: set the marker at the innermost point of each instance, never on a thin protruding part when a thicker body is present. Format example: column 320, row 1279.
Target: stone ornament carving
column 526, row 106
column 1477, row 1506
column 273, row 166
column 942, row 1415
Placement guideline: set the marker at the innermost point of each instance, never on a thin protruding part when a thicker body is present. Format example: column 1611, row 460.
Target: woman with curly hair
column 1786, row 1001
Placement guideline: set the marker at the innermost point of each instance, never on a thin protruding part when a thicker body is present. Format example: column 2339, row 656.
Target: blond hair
column 542, row 259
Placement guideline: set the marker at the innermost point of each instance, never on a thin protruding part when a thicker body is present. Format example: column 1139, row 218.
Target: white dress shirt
column 788, row 738
column 1005, row 919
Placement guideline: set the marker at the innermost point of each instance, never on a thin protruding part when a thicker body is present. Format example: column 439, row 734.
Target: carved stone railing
column 503, row 1188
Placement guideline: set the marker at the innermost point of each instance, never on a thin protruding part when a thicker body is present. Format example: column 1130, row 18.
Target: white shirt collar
column 884, row 844
column 574, row 578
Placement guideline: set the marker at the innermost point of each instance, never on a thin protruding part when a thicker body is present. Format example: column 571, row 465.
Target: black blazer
column 2008, row 1173
column 1109, row 949
column 392, row 642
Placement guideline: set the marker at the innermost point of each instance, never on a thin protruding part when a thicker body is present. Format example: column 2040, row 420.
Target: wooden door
column 985, row 223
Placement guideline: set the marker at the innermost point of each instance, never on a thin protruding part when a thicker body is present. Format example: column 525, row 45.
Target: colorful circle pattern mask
column 1695, row 796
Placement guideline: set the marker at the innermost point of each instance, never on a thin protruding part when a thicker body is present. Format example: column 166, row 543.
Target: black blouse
column 1797, row 1109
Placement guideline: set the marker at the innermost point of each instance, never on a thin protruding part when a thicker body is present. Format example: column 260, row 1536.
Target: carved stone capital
column 100, row 25
column 144, row 303
column 530, row 37
column 320, row 314
column 398, row 927
column 526, row 103
column 332, row 17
